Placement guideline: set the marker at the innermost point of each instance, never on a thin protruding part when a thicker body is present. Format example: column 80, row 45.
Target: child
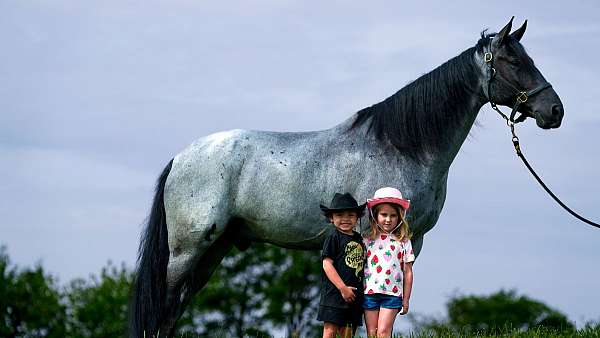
column 388, row 267
column 340, row 307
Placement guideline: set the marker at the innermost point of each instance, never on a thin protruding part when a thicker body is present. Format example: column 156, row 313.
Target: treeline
column 254, row 293
column 261, row 290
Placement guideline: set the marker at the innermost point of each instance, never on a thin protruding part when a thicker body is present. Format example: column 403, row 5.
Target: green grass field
column 537, row 332
column 592, row 331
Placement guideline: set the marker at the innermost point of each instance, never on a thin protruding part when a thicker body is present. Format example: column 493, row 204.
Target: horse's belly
column 288, row 234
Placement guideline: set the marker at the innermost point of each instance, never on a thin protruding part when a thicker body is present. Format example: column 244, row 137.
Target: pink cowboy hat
column 388, row 195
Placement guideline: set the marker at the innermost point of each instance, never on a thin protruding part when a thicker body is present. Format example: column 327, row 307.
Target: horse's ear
column 518, row 34
column 501, row 37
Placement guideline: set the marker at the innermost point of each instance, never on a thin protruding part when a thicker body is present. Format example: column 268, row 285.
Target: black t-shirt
column 347, row 253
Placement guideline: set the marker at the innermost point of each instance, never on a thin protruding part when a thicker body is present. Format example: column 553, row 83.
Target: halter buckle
column 487, row 57
column 522, row 97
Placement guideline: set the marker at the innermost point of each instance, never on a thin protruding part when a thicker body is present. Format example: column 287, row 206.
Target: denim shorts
column 377, row 300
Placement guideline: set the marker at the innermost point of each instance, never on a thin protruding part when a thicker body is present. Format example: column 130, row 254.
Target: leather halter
column 521, row 95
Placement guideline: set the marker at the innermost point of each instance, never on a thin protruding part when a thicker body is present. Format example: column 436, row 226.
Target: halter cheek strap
column 521, row 95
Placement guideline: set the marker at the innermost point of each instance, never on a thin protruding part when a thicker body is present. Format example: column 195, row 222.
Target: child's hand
column 348, row 293
column 404, row 308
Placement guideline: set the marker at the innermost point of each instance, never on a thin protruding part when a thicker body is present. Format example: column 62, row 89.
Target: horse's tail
column 148, row 294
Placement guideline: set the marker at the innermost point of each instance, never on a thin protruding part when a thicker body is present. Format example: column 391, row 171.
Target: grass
column 531, row 333
column 592, row 331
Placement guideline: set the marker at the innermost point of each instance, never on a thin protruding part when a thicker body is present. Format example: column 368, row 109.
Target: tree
column 29, row 302
column 501, row 309
column 255, row 291
column 232, row 304
column 251, row 293
column 98, row 308
column 294, row 294
column 494, row 314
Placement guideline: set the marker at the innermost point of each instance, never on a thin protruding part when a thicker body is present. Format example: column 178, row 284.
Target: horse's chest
column 426, row 206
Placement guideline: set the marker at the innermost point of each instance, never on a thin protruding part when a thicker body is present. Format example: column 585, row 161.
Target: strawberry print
column 387, row 256
column 384, row 274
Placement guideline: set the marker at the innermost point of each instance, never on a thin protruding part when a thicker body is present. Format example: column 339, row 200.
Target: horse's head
column 517, row 81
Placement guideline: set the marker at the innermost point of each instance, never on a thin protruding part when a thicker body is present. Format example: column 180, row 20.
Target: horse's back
column 270, row 180
column 273, row 182
column 200, row 179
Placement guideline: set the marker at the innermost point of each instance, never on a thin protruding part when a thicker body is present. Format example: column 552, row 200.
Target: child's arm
column 346, row 291
column 407, row 288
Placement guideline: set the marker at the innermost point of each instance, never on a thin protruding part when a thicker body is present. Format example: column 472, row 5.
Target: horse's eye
column 514, row 62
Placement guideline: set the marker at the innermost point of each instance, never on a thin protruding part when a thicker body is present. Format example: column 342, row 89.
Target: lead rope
column 516, row 144
column 510, row 122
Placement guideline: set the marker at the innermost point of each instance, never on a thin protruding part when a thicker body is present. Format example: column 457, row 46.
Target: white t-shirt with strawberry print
column 383, row 269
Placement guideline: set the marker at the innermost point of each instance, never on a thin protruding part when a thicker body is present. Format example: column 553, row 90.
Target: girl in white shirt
column 388, row 267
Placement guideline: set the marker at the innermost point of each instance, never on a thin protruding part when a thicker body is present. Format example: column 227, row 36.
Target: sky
column 97, row 97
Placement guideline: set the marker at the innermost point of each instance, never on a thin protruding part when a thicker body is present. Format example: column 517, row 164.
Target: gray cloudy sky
column 96, row 97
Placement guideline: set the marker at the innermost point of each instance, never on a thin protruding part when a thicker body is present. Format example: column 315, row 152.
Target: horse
column 237, row 187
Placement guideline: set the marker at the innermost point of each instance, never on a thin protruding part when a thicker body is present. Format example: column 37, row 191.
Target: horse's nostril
column 557, row 110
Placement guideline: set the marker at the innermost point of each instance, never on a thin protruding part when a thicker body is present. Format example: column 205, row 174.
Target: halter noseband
column 521, row 95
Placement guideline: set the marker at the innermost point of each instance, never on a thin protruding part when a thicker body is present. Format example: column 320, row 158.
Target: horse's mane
column 420, row 117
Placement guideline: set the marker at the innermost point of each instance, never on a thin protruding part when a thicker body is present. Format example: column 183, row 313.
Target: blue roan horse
column 237, row 187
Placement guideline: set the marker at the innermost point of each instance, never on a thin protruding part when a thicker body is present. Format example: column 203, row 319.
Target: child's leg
column 354, row 328
column 347, row 332
column 385, row 323
column 371, row 320
column 330, row 330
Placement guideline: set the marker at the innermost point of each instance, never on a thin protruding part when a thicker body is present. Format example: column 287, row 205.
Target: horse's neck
column 428, row 120
column 464, row 106
column 443, row 158
column 462, row 99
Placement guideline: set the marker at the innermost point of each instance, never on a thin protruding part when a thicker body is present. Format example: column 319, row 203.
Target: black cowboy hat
column 342, row 202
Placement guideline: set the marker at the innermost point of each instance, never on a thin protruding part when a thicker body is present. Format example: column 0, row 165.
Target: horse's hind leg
column 196, row 247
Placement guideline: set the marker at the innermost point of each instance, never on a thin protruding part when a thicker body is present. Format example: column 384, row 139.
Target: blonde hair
column 402, row 232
